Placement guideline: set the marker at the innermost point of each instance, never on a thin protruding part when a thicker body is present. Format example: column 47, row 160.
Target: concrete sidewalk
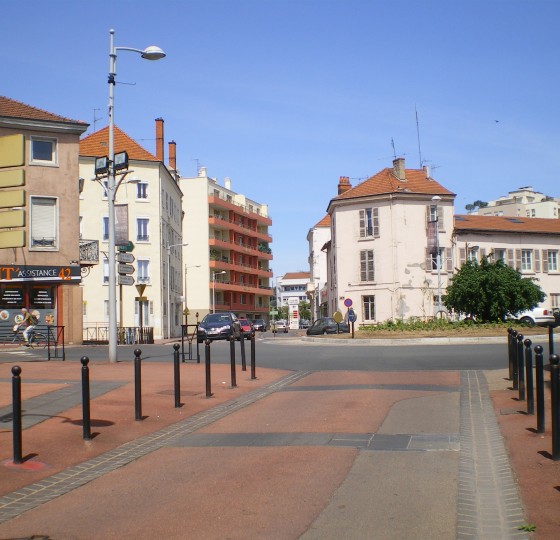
column 288, row 455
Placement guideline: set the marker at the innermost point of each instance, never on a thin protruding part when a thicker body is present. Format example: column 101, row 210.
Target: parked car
column 219, row 326
column 537, row 316
column 327, row 325
column 246, row 328
column 259, row 325
column 304, row 323
column 279, row 326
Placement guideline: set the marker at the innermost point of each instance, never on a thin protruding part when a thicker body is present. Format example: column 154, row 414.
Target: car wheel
column 527, row 320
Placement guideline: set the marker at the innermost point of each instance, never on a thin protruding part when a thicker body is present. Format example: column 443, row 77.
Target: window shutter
column 545, row 261
column 371, row 273
column 43, row 221
column 375, row 219
column 537, row 261
column 462, row 256
column 510, row 259
column 518, row 259
column 448, row 260
column 362, row 223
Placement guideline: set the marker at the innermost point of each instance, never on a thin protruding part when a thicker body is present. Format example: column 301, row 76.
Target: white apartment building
column 386, row 234
column 317, row 237
column 292, row 286
column 148, row 210
column 227, row 259
column 522, row 202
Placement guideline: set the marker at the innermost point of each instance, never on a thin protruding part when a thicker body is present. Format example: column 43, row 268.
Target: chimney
column 344, row 185
column 227, row 182
column 426, row 171
column 202, row 172
column 398, row 167
column 159, row 139
column 172, row 155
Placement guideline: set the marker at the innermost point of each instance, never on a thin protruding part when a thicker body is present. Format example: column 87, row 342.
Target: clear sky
column 285, row 96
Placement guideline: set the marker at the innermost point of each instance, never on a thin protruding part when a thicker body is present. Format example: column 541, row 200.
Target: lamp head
column 152, row 53
column 436, row 198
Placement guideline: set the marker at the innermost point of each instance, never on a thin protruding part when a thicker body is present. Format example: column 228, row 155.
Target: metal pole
column 550, row 339
column 207, row 368
column 438, row 262
column 86, row 416
column 529, row 376
column 177, row 375
column 253, row 375
column 242, row 347
column 16, row 414
column 168, row 292
column 539, row 375
column 232, row 361
column 137, row 385
column 111, row 202
column 515, row 365
column 520, row 367
column 555, row 404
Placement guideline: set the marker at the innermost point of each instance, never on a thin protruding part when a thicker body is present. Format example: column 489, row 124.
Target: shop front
column 42, row 290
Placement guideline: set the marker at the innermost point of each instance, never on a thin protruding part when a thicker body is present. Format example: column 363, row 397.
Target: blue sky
column 285, row 96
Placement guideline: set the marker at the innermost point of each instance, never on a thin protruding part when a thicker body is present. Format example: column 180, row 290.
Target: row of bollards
column 86, row 411
column 520, row 357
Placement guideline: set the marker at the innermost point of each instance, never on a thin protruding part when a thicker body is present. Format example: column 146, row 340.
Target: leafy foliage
column 489, row 290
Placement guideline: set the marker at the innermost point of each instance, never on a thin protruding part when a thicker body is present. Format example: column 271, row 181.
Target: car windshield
column 259, row 321
column 244, row 322
column 216, row 317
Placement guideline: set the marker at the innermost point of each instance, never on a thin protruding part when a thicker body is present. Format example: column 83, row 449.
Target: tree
column 490, row 290
column 304, row 310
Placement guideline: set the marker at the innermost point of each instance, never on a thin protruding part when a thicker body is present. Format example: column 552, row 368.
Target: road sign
column 125, row 269
column 351, row 315
column 123, row 257
column 129, row 246
column 126, row 280
column 337, row 316
column 141, row 298
column 348, row 302
column 274, row 312
column 140, row 288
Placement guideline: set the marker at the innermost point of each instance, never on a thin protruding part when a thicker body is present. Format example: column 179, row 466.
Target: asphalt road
column 286, row 351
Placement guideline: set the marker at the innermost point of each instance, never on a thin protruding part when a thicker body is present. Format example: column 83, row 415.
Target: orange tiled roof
column 475, row 223
column 11, row 108
column 297, row 275
column 386, row 182
column 325, row 222
column 97, row 144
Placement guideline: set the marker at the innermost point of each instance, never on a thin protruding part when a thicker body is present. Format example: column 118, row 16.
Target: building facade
column 39, row 242
column 228, row 256
column 149, row 216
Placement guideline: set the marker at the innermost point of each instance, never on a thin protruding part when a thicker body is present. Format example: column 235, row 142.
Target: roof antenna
column 418, row 136
column 95, row 119
column 394, row 151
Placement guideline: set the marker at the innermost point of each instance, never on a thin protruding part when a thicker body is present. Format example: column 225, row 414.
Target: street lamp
column 214, row 274
column 169, row 287
column 436, row 199
column 185, row 292
column 150, row 53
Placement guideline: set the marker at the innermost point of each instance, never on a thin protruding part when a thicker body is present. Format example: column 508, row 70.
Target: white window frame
column 142, row 191
column 105, row 228
column 552, row 259
column 105, row 271
column 369, row 222
column 143, row 270
column 526, row 260
column 53, row 162
column 46, row 223
column 368, row 305
column 146, row 236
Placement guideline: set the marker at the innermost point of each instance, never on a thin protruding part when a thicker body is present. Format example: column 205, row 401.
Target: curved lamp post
column 214, row 274
column 150, row 53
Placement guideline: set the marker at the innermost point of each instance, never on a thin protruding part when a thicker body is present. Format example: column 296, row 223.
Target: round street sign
column 337, row 316
column 351, row 315
column 348, row 302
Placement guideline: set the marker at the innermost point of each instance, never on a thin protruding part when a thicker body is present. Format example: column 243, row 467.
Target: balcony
column 220, row 202
column 241, row 287
column 225, row 224
column 89, row 252
column 262, row 252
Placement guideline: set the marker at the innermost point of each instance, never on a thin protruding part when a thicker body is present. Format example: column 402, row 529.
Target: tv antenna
column 95, row 119
column 394, row 151
column 418, row 136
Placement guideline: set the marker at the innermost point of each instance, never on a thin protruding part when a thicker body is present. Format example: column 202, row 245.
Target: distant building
column 523, row 202
column 292, row 285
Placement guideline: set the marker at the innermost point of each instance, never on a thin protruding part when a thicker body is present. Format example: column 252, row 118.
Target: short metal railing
column 126, row 335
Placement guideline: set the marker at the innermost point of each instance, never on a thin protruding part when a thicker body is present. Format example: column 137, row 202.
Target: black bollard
column 16, row 414
column 520, row 367
column 529, row 376
column 86, row 416
column 514, row 375
column 510, row 352
column 550, row 339
column 232, row 361
column 137, row 385
column 197, row 352
column 177, row 375
column 555, row 404
column 243, row 359
column 253, row 375
column 207, row 367
column 539, row 376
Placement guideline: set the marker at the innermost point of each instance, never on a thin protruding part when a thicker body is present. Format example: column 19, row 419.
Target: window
column 44, row 223
column 142, row 229
column 552, row 261
column 434, row 260
column 143, row 271
column 369, row 222
column 499, row 255
column 142, row 190
column 366, row 265
column 368, row 308
column 526, row 260
column 105, row 228
column 554, row 300
column 43, row 151
column 105, row 271
column 472, row 254
column 105, row 184
column 433, row 213
column 106, row 309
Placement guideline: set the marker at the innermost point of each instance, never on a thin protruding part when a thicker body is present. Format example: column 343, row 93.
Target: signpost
column 124, row 257
column 125, row 269
column 126, row 280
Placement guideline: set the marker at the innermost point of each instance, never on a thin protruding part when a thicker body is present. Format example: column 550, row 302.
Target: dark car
column 246, row 328
column 219, row 326
column 259, row 325
column 327, row 325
